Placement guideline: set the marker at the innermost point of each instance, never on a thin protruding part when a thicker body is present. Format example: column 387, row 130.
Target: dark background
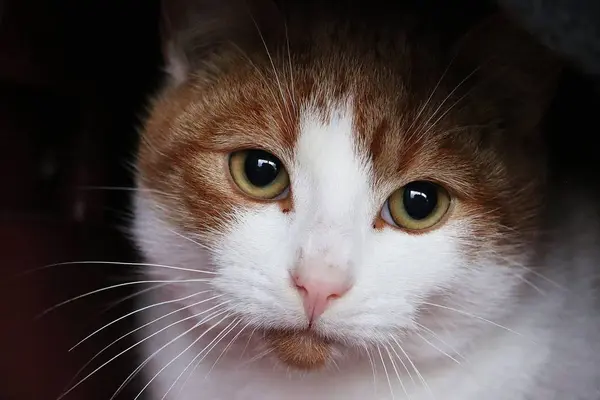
column 74, row 78
column 74, row 81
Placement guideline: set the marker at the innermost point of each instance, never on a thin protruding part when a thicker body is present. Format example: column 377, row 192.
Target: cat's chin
column 300, row 349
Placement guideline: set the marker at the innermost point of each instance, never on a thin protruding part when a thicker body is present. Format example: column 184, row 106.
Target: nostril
column 302, row 290
column 298, row 284
column 333, row 296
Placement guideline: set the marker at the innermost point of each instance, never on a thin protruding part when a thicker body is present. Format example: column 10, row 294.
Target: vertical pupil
column 261, row 168
column 420, row 199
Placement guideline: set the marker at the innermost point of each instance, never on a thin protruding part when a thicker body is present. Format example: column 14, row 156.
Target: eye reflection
column 258, row 173
column 416, row 206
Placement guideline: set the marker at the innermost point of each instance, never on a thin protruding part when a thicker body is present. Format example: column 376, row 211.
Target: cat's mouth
column 300, row 349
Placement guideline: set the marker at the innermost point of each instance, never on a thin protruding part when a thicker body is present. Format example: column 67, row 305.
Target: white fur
column 541, row 353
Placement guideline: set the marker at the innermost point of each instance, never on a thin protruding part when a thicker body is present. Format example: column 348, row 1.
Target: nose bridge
column 329, row 243
column 331, row 186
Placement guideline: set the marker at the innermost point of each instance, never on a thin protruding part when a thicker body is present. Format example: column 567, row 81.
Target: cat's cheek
column 169, row 252
column 253, row 261
column 398, row 271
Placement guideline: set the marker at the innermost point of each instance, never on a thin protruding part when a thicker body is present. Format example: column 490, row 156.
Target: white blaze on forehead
column 331, row 180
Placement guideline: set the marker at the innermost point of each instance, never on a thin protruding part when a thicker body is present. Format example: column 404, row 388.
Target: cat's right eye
column 259, row 174
column 417, row 206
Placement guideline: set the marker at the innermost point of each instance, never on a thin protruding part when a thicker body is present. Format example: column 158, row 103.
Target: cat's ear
column 513, row 69
column 191, row 29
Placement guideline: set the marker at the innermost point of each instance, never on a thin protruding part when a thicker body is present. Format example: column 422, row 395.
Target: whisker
column 151, row 356
column 432, row 333
column 414, row 367
column 120, row 263
column 206, row 350
column 135, row 312
column 474, row 316
column 177, row 356
column 387, row 376
column 133, row 346
column 291, row 89
column 396, row 371
column 541, row 276
column 137, row 329
column 227, row 348
column 188, row 239
column 126, row 189
column 403, row 364
column 270, row 59
column 437, row 348
column 104, row 289
column 262, row 76
column 372, row 368
column 257, row 357
column 435, row 88
column 437, row 110
column 248, row 342
column 335, row 364
column 532, row 285
column 131, row 296
column 461, row 98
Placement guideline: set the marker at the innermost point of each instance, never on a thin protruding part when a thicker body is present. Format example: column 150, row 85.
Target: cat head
column 339, row 179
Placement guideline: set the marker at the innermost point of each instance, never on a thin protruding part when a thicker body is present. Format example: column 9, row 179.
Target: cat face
column 343, row 192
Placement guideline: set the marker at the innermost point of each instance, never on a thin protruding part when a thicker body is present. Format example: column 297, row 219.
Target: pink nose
column 317, row 294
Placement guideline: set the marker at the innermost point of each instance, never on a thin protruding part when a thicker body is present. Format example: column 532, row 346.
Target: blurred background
column 74, row 78
column 74, row 81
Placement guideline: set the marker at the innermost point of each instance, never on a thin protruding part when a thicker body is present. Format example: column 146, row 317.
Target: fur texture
column 356, row 106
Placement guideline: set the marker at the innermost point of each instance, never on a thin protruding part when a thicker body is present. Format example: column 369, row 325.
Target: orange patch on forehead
column 408, row 121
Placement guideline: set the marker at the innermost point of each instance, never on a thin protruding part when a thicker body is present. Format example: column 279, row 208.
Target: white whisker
column 437, row 110
column 177, row 356
column 387, row 375
column 372, row 368
column 202, row 246
column 403, row 364
column 135, row 312
column 151, row 356
column 432, row 333
column 262, row 76
column 414, row 367
column 289, row 53
column 270, row 59
column 135, row 345
column 131, row 296
column 120, row 285
column 206, row 350
column 227, row 348
column 120, row 263
column 141, row 327
column 396, row 371
column 137, row 329
column 126, row 189
column 256, row 357
column 466, row 314
column 248, row 342
column 437, row 348
column 435, row 88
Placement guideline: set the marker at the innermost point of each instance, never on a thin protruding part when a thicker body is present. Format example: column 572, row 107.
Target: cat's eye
column 417, row 206
column 259, row 174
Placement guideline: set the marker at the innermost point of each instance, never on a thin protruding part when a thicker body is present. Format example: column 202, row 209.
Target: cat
column 340, row 202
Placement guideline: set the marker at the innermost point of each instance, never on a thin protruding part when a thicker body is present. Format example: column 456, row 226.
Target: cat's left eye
column 259, row 174
column 417, row 206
